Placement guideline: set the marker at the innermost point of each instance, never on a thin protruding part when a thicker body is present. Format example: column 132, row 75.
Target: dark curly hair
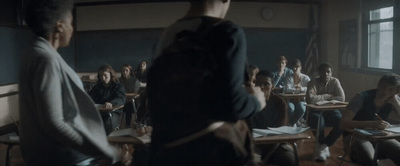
column 42, row 15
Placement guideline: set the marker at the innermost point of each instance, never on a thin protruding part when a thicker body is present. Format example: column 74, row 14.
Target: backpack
column 184, row 71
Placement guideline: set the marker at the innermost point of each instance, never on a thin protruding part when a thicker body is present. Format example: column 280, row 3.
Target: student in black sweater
column 109, row 93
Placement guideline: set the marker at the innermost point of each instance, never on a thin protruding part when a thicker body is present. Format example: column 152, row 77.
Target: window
column 380, row 38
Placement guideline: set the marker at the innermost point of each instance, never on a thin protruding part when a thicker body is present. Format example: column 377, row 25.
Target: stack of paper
column 394, row 128
column 278, row 130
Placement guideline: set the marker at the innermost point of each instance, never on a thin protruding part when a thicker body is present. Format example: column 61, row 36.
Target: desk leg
column 111, row 121
column 317, row 136
column 8, row 155
column 296, row 154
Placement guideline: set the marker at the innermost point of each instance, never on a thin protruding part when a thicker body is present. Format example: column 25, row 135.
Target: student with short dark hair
column 110, row 93
column 383, row 101
column 325, row 88
column 273, row 115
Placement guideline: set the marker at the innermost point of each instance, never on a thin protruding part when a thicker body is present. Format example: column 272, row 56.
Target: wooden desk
column 284, row 138
column 288, row 96
column 132, row 95
column 372, row 138
column 291, row 138
column 101, row 108
column 321, row 109
column 389, row 135
column 5, row 139
column 109, row 111
column 327, row 106
column 129, row 136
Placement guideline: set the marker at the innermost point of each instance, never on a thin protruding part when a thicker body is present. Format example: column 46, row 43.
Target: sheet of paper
column 264, row 132
column 278, row 131
column 289, row 129
column 394, row 128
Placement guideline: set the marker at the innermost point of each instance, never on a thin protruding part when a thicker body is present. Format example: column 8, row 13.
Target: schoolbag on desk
column 184, row 70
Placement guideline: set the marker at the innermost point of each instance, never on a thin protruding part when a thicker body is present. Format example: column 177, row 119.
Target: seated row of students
column 324, row 87
column 273, row 115
column 291, row 81
column 111, row 92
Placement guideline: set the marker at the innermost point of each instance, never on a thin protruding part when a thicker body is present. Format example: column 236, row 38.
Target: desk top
column 327, row 106
column 292, row 95
column 389, row 135
column 10, row 139
column 101, row 107
column 280, row 138
column 129, row 136
column 132, row 95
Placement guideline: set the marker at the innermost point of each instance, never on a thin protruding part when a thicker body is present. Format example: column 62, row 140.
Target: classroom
column 359, row 50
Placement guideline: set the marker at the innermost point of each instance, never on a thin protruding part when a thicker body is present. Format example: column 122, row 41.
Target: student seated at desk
column 141, row 72
column 360, row 113
column 324, row 88
column 273, row 115
column 296, row 83
column 132, row 85
column 282, row 73
column 109, row 92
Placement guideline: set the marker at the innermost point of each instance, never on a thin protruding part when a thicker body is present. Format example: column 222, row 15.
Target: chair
column 347, row 151
column 7, row 132
column 130, row 104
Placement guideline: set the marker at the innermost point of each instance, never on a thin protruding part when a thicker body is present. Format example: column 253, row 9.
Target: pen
column 378, row 117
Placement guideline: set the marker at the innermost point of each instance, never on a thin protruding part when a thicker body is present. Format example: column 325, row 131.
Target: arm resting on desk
column 347, row 122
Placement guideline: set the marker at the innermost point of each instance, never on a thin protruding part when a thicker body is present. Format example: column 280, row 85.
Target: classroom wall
column 333, row 11
column 8, row 104
column 160, row 15
column 126, row 33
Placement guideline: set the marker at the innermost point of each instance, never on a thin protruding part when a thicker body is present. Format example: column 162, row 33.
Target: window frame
column 396, row 40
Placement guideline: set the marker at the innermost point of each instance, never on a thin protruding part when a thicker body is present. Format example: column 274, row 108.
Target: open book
column 370, row 132
column 330, row 102
column 129, row 132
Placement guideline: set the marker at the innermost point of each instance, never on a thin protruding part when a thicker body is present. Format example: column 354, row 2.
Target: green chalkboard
column 264, row 46
column 12, row 42
column 116, row 47
column 89, row 50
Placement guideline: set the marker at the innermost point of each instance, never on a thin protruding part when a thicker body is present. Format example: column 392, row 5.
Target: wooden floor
column 306, row 148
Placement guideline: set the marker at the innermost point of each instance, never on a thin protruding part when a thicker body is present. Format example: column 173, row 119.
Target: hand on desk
column 381, row 125
column 108, row 105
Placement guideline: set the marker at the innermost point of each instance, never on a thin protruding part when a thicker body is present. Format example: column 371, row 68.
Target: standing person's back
column 223, row 99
